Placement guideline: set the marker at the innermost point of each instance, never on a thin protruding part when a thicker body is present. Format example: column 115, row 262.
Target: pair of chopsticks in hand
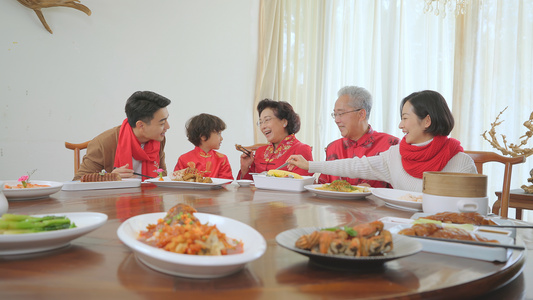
column 142, row 175
column 249, row 153
column 243, row 150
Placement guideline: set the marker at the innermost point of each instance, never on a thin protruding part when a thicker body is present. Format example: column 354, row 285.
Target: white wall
column 73, row 84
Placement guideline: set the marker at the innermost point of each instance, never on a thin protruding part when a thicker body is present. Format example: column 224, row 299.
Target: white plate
column 282, row 184
column 392, row 198
column 464, row 250
column 333, row 194
column 193, row 266
column 390, row 222
column 216, row 184
column 496, row 219
column 244, row 182
column 43, row 241
column 402, row 246
column 31, row 193
column 81, row 186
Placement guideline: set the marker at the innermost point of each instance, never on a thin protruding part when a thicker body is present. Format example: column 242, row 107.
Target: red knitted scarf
column 431, row 157
column 129, row 146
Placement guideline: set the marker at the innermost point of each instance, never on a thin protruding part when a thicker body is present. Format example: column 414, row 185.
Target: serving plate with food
column 282, row 181
column 13, row 190
column 362, row 245
column 339, row 189
column 215, row 183
column 455, row 228
column 438, row 236
column 189, row 178
column 223, row 253
column 48, row 239
column 399, row 198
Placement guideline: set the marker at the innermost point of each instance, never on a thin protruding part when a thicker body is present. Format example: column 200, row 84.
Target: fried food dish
column 190, row 174
column 102, row 176
column 436, row 231
column 243, row 150
column 367, row 239
column 343, row 186
column 460, row 218
column 181, row 232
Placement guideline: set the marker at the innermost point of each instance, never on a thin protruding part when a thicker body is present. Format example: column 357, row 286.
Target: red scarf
column 129, row 146
column 431, row 157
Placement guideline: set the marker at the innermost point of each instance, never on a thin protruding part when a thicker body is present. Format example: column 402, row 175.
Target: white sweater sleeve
column 372, row 168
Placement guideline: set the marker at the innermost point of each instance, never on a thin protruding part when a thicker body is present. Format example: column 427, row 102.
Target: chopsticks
column 507, row 226
column 470, row 242
column 139, row 174
column 283, row 165
column 243, row 150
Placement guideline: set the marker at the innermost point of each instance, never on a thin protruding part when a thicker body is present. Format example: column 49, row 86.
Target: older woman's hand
column 246, row 162
column 298, row 161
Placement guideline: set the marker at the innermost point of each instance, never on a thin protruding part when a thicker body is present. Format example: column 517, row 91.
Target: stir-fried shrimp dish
column 28, row 186
column 181, row 232
column 343, row 186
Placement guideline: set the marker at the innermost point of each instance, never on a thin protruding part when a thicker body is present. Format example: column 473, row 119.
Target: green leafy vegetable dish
column 16, row 224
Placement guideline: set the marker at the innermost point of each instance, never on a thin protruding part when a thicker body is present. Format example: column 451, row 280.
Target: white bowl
column 433, row 204
column 282, row 184
column 193, row 266
column 244, row 182
column 11, row 244
column 32, row 193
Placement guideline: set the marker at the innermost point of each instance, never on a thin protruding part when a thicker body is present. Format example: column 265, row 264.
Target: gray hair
column 359, row 98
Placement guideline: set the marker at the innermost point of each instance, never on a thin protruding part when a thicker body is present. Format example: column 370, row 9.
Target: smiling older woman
column 279, row 123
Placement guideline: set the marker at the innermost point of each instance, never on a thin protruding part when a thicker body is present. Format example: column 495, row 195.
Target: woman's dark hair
column 433, row 104
column 282, row 110
column 142, row 106
column 203, row 125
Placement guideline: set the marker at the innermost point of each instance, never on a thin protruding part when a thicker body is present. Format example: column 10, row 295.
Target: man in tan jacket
column 136, row 146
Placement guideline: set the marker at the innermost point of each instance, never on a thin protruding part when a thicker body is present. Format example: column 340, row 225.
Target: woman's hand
column 124, row 171
column 246, row 163
column 297, row 161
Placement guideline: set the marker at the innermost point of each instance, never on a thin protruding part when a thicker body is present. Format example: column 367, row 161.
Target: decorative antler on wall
column 36, row 5
column 513, row 149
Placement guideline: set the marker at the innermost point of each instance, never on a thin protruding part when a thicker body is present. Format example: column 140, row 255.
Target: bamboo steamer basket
column 455, row 184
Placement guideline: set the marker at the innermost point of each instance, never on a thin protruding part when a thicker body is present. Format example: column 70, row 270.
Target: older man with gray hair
column 351, row 113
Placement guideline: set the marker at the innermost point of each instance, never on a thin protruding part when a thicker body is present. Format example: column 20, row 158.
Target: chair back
column 254, row 147
column 77, row 148
column 481, row 157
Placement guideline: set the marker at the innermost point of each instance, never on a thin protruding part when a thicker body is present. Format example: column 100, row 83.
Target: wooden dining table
column 99, row 266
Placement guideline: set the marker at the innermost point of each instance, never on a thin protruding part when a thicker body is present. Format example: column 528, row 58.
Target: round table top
column 99, row 265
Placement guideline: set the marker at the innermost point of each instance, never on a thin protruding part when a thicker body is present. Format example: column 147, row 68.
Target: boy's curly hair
column 203, row 125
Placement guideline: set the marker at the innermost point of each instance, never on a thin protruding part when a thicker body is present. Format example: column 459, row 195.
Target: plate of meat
column 359, row 246
column 447, row 231
column 215, row 183
column 99, row 185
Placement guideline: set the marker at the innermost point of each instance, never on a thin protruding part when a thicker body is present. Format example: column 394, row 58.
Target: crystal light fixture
column 442, row 5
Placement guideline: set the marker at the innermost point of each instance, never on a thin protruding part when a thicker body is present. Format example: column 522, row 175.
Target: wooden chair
column 254, row 147
column 481, row 157
column 77, row 148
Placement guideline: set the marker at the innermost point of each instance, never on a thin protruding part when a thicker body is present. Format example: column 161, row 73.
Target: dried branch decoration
column 511, row 149
column 36, row 5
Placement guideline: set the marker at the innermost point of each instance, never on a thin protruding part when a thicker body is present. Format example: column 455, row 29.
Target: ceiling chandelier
column 459, row 6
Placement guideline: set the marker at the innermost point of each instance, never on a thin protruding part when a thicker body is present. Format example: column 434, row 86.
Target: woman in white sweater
column 426, row 122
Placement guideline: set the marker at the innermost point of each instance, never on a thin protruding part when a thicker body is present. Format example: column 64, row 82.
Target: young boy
column 204, row 131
